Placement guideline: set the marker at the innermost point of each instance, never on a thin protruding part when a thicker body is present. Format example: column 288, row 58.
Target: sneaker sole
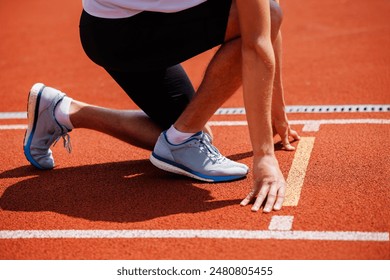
column 182, row 170
column 34, row 98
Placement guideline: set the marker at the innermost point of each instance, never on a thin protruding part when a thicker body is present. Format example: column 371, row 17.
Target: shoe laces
column 212, row 152
column 67, row 144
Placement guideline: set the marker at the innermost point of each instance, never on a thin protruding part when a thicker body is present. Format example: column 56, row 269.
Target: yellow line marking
column 297, row 172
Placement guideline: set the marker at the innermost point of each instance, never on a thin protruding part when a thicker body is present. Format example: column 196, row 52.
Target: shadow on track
column 129, row 191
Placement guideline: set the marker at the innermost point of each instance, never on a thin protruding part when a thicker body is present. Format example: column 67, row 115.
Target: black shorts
column 143, row 52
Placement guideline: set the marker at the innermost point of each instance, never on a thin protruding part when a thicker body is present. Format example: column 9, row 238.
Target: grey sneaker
column 43, row 130
column 196, row 158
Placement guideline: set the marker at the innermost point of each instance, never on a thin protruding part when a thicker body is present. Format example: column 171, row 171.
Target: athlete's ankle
column 62, row 112
column 175, row 136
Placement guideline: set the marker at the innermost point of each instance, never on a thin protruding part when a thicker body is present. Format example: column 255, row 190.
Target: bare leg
column 135, row 128
column 221, row 80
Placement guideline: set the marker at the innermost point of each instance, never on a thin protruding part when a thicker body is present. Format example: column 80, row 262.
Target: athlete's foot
column 43, row 128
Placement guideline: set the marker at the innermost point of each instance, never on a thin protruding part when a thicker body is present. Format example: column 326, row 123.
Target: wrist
column 278, row 117
column 264, row 158
column 278, row 110
column 264, row 150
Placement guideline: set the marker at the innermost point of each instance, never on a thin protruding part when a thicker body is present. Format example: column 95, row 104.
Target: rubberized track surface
column 106, row 200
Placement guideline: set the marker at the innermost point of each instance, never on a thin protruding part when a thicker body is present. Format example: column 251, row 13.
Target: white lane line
column 210, row 234
column 297, row 174
column 314, row 125
column 13, row 115
column 13, row 126
column 228, row 123
column 309, row 125
column 281, row 223
column 362, row 108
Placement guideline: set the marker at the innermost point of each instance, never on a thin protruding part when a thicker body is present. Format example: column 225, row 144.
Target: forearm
column 257, row 71
column 258, row 99
column 278, row 103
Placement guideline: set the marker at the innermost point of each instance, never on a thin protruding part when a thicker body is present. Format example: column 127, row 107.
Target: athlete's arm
column 280, row 121
column 259, row 61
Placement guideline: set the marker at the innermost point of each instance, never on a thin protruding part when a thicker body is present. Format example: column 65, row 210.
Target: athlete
column 141, row 44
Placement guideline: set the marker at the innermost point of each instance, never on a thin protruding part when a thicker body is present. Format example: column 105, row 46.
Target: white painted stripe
column 281, row 223
column 297, row 174
column 314, row 125
column 309, row 125
column 228, row 123
column 13, row 126
column 362, row 108
column 13, row 115
column 211, row 234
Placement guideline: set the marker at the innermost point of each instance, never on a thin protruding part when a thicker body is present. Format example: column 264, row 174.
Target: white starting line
column 306, row 109
column 13, row 127
column 205, row 234
column 308, row 125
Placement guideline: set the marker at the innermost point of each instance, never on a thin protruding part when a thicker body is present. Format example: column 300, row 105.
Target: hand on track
column 282, row 127
column 269, row 185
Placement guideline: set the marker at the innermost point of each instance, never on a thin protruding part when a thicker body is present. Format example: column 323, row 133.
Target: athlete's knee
column 276, row 18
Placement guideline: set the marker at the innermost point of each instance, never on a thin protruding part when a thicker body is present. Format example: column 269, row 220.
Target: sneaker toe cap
column 47, row 163
column 43, row 161
column 242, row 166
column 233, row 170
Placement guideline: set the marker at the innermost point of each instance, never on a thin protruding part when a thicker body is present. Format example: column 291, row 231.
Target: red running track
column 106, row 201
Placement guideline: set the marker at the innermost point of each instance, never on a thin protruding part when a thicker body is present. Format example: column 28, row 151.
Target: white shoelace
column 67, row 144
column 211, row 150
